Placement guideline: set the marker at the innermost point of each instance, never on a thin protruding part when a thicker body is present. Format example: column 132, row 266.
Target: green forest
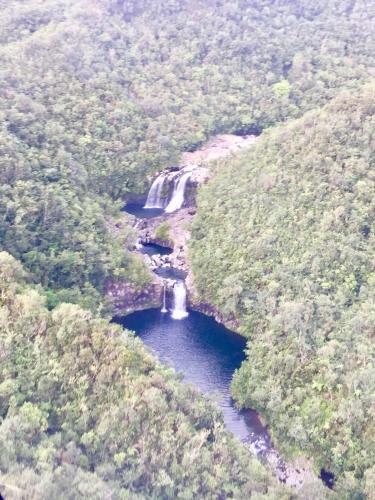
column 86, row 412
column 96, row 96
column 290, row 251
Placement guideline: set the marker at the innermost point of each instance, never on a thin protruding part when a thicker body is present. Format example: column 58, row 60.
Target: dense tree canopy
column 96, row 95
column 86, row 412
column 285, row 233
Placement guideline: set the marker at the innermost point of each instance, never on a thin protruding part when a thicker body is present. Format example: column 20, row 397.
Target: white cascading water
column 138, row 244
column 155, row 195
column 178, row 196
column 164, row 308
column 179, row 303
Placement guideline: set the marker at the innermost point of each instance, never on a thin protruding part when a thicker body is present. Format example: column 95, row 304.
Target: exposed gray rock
column 124, row 298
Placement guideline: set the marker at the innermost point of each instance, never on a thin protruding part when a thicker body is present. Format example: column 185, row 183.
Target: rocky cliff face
column 199, row 305
column 125, row 298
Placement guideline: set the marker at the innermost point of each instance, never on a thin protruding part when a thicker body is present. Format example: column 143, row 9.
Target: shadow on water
column 328, row 478
column 152, row 249
column 136, row 208
column 207, row 354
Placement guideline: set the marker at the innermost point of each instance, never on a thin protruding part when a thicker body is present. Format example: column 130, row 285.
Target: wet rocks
column 125, row 298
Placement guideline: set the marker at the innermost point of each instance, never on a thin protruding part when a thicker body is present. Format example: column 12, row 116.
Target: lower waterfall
column 178, row 196
column 164, row 308
column 179, row 301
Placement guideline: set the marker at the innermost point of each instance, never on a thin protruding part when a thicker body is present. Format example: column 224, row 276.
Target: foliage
column 162, row 232
column 64, row 241
column 285, row 233
column 95, row 96
column 87, row 412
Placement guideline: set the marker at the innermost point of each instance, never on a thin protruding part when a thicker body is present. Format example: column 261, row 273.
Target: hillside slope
column 97, row 95
column 285, row 233
column 87, row 412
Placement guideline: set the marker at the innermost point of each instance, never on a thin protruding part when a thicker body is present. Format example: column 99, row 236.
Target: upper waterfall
column 179, row 303
column 178, row 196
column 155, row 195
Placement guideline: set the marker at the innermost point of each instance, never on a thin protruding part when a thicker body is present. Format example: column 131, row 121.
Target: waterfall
column 178, row 196
column 179, row 302
column 138, row 244
column 164, row 308
column 155, row 195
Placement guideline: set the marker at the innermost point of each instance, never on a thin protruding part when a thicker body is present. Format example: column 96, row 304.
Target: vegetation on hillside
column 86, row 412
column 97, row 95
column 285, row 233
column 162, row 232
